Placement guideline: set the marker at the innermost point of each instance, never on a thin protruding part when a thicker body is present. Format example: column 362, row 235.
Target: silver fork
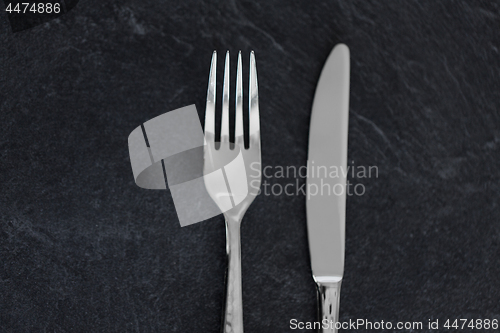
column 243, row 190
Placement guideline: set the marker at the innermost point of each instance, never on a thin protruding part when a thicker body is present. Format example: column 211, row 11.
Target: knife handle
column 329, row 302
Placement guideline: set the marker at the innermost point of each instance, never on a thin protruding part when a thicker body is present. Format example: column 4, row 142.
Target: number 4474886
column 480, row 324
column 37, row 8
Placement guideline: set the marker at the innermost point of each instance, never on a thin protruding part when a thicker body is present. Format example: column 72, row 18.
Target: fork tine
column 253, row 110
column 210, row 109
column 238, row 131
column 224, row 128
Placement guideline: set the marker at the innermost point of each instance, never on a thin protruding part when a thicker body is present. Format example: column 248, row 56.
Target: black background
column 83, row 249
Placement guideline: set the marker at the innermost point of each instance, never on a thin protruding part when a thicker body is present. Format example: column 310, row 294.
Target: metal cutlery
column 326, row 213
column 235, row 195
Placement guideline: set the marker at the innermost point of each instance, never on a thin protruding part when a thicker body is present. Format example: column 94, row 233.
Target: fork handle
column 233, row 314
column 329, row 302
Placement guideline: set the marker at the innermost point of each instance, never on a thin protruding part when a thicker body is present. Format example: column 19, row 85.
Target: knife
column 326, row 196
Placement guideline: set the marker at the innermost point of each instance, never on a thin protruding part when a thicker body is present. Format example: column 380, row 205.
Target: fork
column 249, row 186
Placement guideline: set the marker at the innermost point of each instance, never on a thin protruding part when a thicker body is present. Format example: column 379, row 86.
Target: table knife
column 326, row 196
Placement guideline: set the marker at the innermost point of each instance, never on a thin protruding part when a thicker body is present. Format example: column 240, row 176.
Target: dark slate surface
column 85, row 250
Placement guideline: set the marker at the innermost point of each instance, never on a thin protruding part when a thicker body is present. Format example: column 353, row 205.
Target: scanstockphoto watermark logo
column 171, row 152
column 361, row 324
column 366, row 325
column 311, row 179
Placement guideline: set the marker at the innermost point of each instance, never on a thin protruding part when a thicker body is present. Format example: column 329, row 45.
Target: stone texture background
column 82, row 249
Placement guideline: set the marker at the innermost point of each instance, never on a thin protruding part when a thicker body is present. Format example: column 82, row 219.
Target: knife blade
column 326, row 183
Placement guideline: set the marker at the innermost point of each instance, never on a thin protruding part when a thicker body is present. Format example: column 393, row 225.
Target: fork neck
column 235, row 215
